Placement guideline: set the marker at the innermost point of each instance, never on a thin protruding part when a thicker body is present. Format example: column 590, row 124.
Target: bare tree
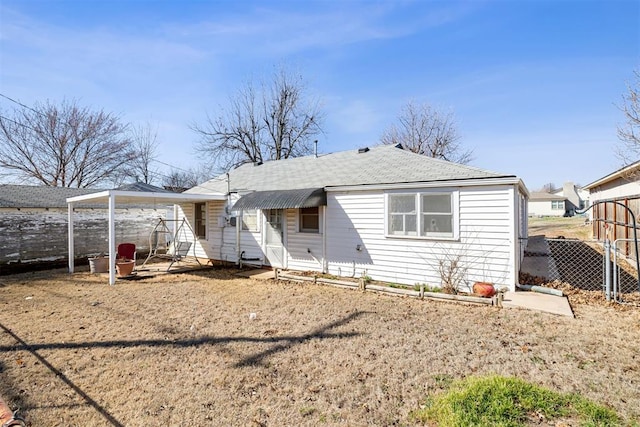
column 277, row 122
column 145, row 146
column 549, row 187
column 63, row 145
column 181, row 180
column 629, row 134
column 425, row 130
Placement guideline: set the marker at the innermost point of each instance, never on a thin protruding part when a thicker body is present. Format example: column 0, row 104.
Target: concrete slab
column 538, row 302
column 537, row 257
column 260, row 273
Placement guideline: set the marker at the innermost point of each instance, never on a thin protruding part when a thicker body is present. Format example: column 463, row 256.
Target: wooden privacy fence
column 613, row 221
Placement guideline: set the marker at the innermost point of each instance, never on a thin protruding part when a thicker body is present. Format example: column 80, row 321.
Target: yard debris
column 576, row 295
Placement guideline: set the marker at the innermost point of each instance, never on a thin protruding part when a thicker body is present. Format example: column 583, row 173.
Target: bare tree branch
column 424, row 130
column 145, row 146
column 63, row 145
column 277, row 123
column 629, row 134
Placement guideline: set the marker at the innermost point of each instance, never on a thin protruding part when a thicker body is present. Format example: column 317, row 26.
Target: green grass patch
column 507, row 402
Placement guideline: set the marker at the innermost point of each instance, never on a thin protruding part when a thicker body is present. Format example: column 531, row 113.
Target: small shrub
column 427, row 288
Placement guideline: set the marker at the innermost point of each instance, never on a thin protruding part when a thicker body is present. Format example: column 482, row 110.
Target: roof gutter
column 617, row 174
column 476, row 182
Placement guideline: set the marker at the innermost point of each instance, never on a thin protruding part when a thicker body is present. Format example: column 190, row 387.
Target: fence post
column 607, row 269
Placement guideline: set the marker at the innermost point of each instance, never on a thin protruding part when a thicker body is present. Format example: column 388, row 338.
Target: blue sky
column 533, row 84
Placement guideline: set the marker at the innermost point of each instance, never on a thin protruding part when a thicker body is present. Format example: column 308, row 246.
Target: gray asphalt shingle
column 385, row 164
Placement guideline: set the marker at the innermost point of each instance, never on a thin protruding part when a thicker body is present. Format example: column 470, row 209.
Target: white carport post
column 70, row 240
column 112, row 239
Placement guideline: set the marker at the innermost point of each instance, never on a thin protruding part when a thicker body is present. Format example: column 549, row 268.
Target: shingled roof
column 29, row 196
column 386, row 164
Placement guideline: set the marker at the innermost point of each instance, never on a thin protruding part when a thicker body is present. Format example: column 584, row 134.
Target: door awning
column 282, row 199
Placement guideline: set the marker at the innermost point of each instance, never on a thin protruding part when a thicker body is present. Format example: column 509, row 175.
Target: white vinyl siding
column 304, row 250
column 485, row 239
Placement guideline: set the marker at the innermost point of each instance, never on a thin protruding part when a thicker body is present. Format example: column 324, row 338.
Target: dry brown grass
column 182, row 350
column 571, row 228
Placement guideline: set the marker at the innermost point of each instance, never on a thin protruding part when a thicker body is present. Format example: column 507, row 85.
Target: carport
column 115, row 198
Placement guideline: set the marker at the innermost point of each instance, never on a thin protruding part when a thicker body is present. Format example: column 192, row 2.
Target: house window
column 557, row 204
column 403, row 217
column 437, row 215
column 250, row 220
column 201, row 220
column 424, row 214
column 310, row 220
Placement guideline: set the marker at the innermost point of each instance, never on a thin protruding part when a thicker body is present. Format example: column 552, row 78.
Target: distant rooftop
column 31, row 196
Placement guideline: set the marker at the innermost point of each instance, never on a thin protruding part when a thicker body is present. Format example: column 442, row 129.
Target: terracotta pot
column 125, row 267
column 484, row 289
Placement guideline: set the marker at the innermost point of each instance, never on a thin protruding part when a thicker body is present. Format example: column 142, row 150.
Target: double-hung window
column 422, row 214
column 437, row 215
column 403, row 215
column 557, row 205
column 250, row 220
column 200, row 213
column 310, row 220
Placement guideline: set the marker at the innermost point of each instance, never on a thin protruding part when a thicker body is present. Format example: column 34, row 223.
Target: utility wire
column 22, row 105
column 18, row 123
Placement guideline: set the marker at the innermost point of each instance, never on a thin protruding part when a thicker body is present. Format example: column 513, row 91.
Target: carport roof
column 132, row 197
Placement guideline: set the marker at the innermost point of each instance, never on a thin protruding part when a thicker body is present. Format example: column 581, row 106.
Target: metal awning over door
column 282, row 199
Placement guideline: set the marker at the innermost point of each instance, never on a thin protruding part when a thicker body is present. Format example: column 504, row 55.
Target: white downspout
column 70, row 238
column 238, row 245
column 325, row 267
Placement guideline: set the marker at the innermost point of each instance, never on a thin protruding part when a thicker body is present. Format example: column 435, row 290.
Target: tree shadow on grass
column 280, row 343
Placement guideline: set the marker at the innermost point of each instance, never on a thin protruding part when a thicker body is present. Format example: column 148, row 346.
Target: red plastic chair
column 127, row 251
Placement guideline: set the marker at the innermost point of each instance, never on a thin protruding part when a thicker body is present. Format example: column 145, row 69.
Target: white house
column 382, row 212
column 542, row 203
column 577, row 198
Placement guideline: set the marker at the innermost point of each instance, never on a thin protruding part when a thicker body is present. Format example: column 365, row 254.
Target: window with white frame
column 557, row 204
column 403, row 215
column 309, row 220
column 200, row 217
column 437, row 215
column 250, row 220
column 421, row 214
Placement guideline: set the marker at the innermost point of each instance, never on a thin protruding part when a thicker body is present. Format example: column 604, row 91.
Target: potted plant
column 484, row 289
column 99, row 264
column 125, row 266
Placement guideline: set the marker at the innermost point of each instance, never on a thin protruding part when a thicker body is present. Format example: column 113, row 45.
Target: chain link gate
column 583, row 265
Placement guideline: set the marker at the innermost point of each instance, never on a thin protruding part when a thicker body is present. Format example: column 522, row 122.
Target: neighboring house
column 383, row 212
column 542, row 203
column 622, row 187
column 34, row 223
column 564, row 201
column 577, row 198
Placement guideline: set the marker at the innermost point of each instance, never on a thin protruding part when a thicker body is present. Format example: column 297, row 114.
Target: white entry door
column 274, row 238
